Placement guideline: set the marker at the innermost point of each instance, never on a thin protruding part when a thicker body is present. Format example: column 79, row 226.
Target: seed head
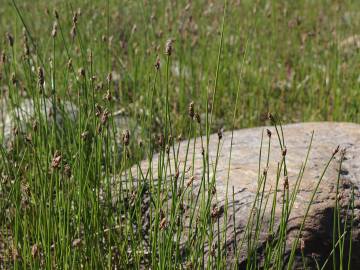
column 169, row 47
column 34, row 250
column 108, row 96
column 104, row 117
column 73, row 32
column 271, row 118
column 286, row 183
column 265, row 171
column 343, row 153
column 26, row 49
column 15, row 254
column 98, row 110
column 69, row 64
column 191, row 180
column 54, row 30
column 163, row 224
column 3, row 57
column 189, row 265
column 197, row 118
column 177, row 173
column 215, row 212
column 67, row 170
column 28, row 138
column 268, row 133
column 35, row 125
column 13, row 78
column 56, row 14
column 161, row 140
column 84, row 135
column 55, row 163
column 81, row 72
column 220, row 134
column 10, row 39
column 41, row 77
column 191, row 110
column 170, row 140
column 126, row 137
column 76, row 242
column 109, row 77
column 302, row 244
column 157, row 64
column 336, row 150
column 75, row 18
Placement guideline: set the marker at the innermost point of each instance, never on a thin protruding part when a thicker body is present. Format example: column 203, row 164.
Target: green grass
column 237, row 61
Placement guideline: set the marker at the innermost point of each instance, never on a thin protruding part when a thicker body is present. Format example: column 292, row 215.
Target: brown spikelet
column 215, row 212
column 10, row 39
column 157, row 64
column 69, row 64
column 13, row 78
column 302, row 245
column 161, row 140
column 54, row 30
column 163, row 224
column 126, row 137
column 81, row 72
column 35, row 125
column 3, row 57
column 75, row 18
column 41, row 78
column 191, row 110
column 67, row 170
column 271, row 118
column 220, row 134
column 98, row 110
column 177, row 173
column 76, row 242
column 56, row 14
column 73, row 32
column 169, row 47
column 56, row 161
column 265, row 171
column 191, row 180
column 15, row 254
column 109, row 77
column 197, row 118
column 34, row 250
column 104, row 117
column 108, row 96
column 286, row 183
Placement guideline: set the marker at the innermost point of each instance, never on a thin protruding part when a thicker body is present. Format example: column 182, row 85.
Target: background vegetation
column 296, row 59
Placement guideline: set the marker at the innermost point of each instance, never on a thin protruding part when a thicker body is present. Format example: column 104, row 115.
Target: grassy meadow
column 174, row 70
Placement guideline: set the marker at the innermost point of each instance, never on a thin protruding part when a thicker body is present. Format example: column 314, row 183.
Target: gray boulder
column 23, row 115
column 316, row 237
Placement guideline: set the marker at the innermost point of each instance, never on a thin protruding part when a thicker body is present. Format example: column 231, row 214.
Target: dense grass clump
column 140, row 76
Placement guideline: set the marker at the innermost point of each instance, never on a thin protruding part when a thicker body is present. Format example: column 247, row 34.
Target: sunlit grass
column 70, row 197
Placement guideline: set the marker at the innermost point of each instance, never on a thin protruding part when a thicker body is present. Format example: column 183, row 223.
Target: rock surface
column 24, row 114
column 244, row 171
